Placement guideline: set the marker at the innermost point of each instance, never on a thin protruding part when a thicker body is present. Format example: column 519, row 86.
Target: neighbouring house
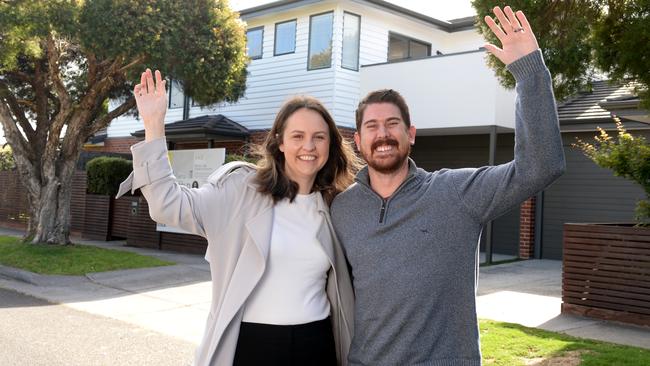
column 338, row 50
column 587, row 192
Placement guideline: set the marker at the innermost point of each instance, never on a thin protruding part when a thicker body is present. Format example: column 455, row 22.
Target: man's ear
column 357, row 140
column 411, row 133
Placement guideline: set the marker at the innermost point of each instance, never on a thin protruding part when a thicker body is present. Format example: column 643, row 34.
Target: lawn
column 506, row 344
column 69, row 259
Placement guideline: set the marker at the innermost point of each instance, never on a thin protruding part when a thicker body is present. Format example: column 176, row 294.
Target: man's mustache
column 385, row 141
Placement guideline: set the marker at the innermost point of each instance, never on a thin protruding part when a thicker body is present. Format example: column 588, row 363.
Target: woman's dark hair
column 334, row 176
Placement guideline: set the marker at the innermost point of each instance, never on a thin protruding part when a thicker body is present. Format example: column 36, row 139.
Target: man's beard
column 389, row 165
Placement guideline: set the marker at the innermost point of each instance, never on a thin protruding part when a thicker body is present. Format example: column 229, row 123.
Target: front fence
column 606, row 272
column 98, row 217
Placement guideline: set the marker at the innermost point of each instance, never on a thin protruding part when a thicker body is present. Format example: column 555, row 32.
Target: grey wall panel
column 585, row 193
column 436, row 152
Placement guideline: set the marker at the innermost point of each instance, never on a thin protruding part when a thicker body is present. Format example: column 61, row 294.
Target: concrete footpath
column 174, row 300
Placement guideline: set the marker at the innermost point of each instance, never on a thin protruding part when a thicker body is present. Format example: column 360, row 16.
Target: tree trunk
column 50, row 209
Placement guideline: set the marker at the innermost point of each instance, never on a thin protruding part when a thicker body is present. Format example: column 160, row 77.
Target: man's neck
column 385, row 184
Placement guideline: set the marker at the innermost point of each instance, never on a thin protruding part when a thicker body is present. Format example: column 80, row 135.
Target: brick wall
column 115, row 144
column 527, row 229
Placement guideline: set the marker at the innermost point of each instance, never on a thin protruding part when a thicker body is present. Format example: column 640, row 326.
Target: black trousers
column 285, row 345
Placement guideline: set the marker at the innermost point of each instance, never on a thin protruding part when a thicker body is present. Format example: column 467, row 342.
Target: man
column 411, row 236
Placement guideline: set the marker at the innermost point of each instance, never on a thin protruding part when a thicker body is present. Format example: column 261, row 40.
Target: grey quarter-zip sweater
column 414, row 255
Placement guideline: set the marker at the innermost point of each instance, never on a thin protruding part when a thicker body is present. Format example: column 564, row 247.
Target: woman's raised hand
column 151, row 99
column 514, row 32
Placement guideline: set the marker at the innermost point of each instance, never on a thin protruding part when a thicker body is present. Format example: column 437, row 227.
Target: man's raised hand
column 514, row 32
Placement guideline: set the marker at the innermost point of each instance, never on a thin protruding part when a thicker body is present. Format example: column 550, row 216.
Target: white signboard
column 192, row 169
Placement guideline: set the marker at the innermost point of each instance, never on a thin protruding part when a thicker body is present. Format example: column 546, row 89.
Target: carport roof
column 207, row 127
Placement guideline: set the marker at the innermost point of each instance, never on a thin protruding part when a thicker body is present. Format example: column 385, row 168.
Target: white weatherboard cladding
column 274, row 79
column 446, row 92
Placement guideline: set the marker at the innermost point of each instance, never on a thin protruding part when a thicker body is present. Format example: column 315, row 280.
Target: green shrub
column 106, row 173
column 238, row 157
column 7, row 159
column 628, row 157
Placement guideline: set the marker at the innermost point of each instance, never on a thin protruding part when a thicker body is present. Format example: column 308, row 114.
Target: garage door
column 585, row 193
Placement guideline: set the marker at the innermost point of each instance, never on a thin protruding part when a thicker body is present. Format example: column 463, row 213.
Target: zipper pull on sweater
column 382, row 211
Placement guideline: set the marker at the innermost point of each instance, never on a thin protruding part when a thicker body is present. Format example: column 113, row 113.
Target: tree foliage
column 62, row 60
column 627, row 156
column 621, row 41
column 581, row 37
column 6, row 158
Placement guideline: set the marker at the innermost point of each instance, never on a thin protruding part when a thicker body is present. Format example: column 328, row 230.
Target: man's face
column 383, row 138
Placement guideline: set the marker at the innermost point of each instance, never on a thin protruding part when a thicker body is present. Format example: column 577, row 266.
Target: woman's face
column 306, row 145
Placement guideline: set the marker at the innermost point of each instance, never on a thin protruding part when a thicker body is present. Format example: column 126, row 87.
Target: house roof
column 594, row 108
column 204, row 127
column 454, row 25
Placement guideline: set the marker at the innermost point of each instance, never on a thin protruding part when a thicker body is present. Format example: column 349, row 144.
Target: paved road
column 35, row 332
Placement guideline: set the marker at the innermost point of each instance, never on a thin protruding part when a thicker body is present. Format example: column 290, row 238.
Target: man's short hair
column 383, row 96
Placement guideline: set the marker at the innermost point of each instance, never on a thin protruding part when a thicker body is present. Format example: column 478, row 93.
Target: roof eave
column 457, row 25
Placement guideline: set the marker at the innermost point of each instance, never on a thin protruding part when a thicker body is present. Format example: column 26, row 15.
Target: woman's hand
column 517, row 39
column 151, row 99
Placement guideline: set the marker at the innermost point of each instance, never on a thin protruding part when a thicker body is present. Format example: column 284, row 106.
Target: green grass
column 69, row 259
column 512, row 344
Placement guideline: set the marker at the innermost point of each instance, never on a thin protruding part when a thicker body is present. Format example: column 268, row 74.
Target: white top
column 292, row 289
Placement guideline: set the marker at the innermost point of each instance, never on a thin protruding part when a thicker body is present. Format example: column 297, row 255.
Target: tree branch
column 105, row 120
column 65, row 102
column 91, row 59
column 135, row 62
column 17, row 111
column 23, row 154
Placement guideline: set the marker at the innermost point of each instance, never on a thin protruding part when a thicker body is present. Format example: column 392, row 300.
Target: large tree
column 62, row 60
column 582, row 38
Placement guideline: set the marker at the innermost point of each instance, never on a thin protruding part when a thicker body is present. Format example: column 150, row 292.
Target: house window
column 402, row 47
column 351, row 33
column 176, row 96
column 254, row 38
column 320, row 41
column 285, row 38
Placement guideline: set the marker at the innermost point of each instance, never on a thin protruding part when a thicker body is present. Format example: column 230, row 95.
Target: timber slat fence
column 606, row 272
column 98, row 217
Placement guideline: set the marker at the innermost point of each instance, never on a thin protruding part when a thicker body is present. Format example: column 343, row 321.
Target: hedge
column 106, row 173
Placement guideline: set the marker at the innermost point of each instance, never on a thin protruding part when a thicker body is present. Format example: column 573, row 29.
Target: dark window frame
column 260, row 28
column 169, row 100
column 309, row 40
column 358, row 41
column 408, row 40
column 275, row 37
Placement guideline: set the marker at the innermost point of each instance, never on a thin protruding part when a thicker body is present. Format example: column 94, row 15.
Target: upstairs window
column 351, row 33
column 176, row 97
column 402, row 48
column 320, row 41
column 254, row 38
column 285, row 38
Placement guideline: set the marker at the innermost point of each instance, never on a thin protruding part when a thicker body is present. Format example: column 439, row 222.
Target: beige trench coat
column 236, row 220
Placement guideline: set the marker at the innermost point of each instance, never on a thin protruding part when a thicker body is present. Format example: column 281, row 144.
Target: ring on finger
column 518, row 29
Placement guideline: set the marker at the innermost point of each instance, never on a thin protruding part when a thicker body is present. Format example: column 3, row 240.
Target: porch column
column 488, row 226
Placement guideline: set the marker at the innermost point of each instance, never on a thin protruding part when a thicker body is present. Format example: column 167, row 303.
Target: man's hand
column 517, row 39
column 151, row 99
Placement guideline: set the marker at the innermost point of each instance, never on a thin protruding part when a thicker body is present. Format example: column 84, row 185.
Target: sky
column 439, row 9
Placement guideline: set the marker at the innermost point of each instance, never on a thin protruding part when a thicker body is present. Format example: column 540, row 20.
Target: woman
column 281, row 293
